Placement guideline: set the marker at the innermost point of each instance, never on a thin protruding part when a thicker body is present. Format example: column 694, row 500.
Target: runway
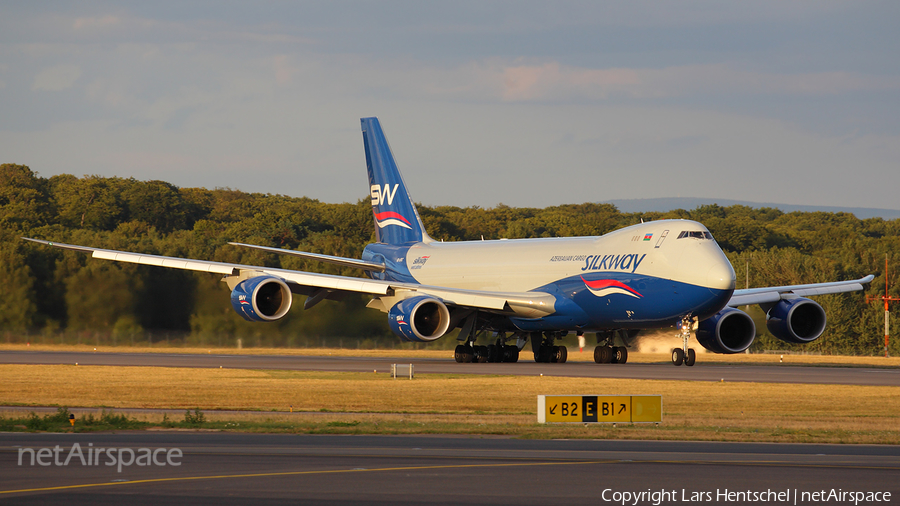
column 226, row 468
column 699, row 372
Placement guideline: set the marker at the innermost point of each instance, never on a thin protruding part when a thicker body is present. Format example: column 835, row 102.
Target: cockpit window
column 695, row 235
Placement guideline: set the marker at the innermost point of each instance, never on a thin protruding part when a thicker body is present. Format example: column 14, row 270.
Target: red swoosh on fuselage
column 601, row 284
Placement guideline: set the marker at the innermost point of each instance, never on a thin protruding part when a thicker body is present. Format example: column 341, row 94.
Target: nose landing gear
column 685, row 355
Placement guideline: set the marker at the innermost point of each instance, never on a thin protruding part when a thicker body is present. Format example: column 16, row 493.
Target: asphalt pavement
column 700, row 372
column 228, row 468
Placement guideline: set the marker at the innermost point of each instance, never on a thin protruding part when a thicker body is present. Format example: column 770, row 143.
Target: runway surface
column 699, row 372
column 227, row 468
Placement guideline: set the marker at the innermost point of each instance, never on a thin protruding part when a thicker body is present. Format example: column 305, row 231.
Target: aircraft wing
column 774, row 294
column 318, row 286
column 343, row 262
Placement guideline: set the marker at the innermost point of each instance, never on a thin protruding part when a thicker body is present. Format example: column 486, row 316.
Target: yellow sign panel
column 646, row 408
column 564, row 408
column 599, row 408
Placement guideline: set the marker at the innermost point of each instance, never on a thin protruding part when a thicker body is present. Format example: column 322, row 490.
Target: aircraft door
column 662, row 237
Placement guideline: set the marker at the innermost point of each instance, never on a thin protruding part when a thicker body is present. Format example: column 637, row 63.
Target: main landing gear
column 685, row 355
column 610, row 354
column 606, row 352
column 544, row 348
column 497, row 352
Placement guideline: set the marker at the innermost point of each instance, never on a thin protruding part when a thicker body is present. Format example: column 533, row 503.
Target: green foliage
column 24, row 198
column 108, row 420
column 98, row 295
column 18, row 308
column 195, row 419
column 59, row 422
column 91, row 202
column 36, row 423
column 52, row 294
column 47, row 422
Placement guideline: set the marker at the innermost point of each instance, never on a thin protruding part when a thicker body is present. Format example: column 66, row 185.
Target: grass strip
column 370, row 403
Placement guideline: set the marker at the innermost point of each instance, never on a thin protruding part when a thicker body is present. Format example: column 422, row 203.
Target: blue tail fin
column 396, row 219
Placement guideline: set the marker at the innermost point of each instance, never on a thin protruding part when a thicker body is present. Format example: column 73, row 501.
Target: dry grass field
column 375, row 403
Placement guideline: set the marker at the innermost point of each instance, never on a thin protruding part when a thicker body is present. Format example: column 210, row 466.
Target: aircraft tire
column 495, row 353
column 481, row 354
column 513, row 355
column 458, row 353
column 690, row 358
column 606, row 355
column 677, row 356
column 562, row 353
column 544, row 355
column 620, row 354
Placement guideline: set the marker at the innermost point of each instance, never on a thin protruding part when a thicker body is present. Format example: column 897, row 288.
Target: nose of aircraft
column 720, row 275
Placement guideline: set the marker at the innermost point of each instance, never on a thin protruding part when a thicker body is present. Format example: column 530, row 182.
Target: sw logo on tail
column 379, row 195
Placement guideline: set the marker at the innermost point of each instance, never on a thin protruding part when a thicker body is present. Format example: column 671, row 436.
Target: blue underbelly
column 621, row 300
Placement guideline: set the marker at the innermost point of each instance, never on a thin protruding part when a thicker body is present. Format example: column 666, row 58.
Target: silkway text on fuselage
column 613, row 262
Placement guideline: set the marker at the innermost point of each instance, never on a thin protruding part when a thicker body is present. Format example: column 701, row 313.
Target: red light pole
column 887, row 299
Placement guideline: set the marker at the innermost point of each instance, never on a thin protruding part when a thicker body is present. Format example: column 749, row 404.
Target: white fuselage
column 649, row 249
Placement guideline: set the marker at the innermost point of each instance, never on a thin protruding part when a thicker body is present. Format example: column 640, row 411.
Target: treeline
column 54, row 295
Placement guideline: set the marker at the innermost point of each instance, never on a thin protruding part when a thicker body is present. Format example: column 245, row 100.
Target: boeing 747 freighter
column 660, row 274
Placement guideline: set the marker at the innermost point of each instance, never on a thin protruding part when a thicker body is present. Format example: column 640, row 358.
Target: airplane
column 659, row 274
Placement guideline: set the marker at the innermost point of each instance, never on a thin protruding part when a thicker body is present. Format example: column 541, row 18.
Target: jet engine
column 419, row 319
column 261, row 299
column 728, row 331
column 796, row 320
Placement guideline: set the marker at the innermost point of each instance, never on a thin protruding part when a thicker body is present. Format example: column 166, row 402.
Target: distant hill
column 667, row 204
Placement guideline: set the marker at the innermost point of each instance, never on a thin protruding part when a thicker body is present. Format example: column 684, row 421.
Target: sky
column 524, row 103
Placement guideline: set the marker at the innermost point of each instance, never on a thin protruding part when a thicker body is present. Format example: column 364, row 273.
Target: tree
column 156, row 203
column 17, row 306
column 98, row 295
column 92, row 202
column 24, row 201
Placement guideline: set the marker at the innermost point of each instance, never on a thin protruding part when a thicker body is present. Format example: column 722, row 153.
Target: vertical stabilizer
column 396, row 219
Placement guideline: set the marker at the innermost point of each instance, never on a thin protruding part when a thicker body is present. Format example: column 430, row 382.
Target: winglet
column 61, row 245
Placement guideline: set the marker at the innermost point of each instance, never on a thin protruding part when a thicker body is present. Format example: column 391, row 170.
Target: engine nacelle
column 796, row 320
column 261, row 299
column 728, row 331
column 419, row 319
